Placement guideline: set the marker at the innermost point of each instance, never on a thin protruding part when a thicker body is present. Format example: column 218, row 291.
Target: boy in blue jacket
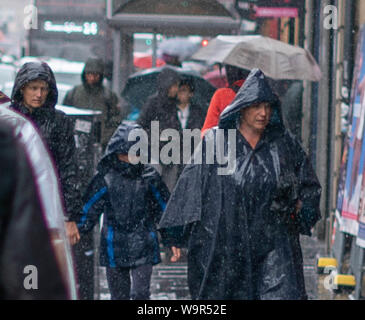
column 132, row 198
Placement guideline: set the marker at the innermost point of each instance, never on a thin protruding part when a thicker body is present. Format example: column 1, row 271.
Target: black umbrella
column 142, row 84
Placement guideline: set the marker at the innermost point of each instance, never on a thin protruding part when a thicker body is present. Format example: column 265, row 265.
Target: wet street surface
column 169, row 280
column 315, row 283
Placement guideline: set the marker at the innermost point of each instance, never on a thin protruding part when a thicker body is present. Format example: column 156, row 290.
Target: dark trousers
column 84, row 263
column 122, row 288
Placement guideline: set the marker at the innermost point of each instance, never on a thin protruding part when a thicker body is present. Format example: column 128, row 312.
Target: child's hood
column 118, row 143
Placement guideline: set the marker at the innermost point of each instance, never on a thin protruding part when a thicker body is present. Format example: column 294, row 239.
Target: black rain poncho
column 243, row 238
column 55, row 128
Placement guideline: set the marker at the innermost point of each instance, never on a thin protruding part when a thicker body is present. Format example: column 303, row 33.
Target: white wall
column 12, row 14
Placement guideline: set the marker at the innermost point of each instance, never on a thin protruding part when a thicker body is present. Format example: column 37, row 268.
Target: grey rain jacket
column 241, row 230
column 97, row 97
column 55, row 128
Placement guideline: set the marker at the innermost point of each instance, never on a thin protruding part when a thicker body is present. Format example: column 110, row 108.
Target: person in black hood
column 243, row 225
column 162, row 107
column 132, row 197
column 35, row 95
column 92, row 94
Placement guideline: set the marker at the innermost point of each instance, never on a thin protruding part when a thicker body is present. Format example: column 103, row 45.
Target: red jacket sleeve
column 220, row 100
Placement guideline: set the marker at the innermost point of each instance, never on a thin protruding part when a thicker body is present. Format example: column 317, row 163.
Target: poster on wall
column 361, row 93
column 351, row 190
column 344, row 159
column 360, row 241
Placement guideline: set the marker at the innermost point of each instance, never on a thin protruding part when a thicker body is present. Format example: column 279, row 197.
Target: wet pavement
column 315, row 283
column 169, row 280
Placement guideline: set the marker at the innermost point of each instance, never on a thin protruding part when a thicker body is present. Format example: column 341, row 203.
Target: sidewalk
column 315, row 283
column 169, row 280
column 312, row 248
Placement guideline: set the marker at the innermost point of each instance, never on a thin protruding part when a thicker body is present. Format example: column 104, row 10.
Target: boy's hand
column 72, row 232
column 176, row 254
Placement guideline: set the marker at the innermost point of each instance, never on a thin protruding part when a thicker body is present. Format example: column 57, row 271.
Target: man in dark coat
column 161, row 106
column 35, row 95
column 171, row 106
column 243, row 227
column 92, row 94
column 132, row 198
column 25, row 241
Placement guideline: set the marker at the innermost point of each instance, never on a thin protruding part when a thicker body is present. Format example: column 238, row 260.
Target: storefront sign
column 86, row 28
column 252, row 9
column 265, row 12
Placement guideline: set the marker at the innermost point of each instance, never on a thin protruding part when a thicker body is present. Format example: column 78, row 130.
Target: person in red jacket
column 224, row 96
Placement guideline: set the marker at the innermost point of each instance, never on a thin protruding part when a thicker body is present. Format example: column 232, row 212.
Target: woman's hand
column 176, row 254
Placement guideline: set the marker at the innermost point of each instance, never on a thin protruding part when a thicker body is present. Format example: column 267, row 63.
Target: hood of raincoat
column 165, row 80
column 35, row 71
column 256, row 89
column 118, row 144
column 94, row 65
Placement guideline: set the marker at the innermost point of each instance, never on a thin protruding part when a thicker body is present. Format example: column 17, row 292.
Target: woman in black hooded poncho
column 243, row 228
column 56, row 130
